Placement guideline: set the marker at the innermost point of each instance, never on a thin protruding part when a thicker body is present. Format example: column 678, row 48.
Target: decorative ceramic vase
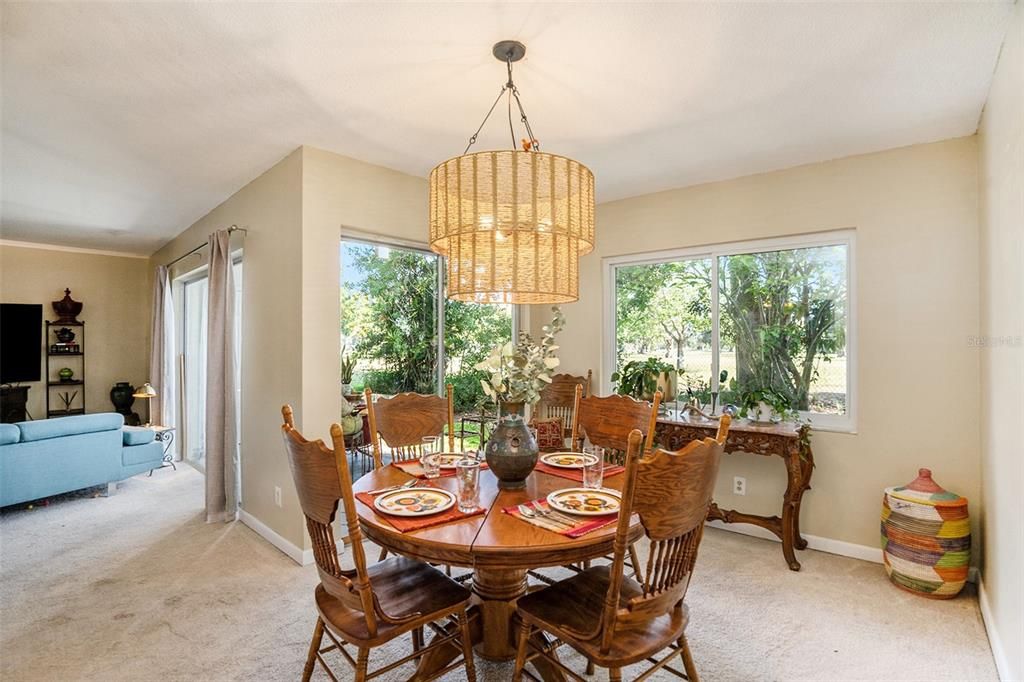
column 511, row 450
column 66, row 374
column 121, row 396
column 926, row 538
column 67, row 309
column 65, row 335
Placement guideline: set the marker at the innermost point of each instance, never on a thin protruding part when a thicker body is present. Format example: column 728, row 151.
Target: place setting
column 572, row 465
column 433, row 462
column 574, row 512
column 418, row 503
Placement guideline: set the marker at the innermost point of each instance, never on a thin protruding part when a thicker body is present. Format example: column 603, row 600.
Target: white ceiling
column 123, row 123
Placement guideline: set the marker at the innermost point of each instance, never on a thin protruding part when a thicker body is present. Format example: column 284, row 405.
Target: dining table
column 499, row 547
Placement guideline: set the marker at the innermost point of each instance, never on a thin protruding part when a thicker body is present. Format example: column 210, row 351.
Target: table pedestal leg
column 498, row 591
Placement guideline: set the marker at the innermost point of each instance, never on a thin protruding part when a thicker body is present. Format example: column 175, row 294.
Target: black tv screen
column 21, row 342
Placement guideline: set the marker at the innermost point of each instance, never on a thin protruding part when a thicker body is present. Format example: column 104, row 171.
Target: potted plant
column 641, row 378
column 348, row 366
column 764, row 404
column 517, row 373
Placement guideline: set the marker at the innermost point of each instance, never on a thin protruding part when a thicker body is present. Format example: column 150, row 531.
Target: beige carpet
column 137, row 587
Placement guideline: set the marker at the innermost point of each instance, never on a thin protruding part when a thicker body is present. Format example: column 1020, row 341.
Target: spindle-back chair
column 366, row 607
column 405, row 419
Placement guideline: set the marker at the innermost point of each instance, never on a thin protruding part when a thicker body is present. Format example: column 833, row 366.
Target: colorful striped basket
column 926, row 538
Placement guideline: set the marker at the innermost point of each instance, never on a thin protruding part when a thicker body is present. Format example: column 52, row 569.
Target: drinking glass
column 467, row 475
column 593, row 466
column 430, row 458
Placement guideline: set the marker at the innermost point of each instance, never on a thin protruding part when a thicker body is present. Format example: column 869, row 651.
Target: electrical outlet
column 739, row 485
column 277, row 495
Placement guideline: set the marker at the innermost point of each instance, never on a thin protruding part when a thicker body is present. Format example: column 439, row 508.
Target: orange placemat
column 405, row 524
column 584, row 526
column 414, row 468
column 575, row 474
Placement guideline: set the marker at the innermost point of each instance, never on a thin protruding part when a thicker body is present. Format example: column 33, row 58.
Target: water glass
column 430, row 458
column 467, row 475
column 593, row 466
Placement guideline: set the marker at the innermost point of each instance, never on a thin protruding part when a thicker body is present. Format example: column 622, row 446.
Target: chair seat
column 403, row 587
column 572, row 610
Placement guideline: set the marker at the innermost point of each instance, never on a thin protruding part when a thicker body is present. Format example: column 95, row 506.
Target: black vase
column 121, row 396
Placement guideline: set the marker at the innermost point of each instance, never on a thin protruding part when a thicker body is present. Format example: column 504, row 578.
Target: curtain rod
column 233, row 228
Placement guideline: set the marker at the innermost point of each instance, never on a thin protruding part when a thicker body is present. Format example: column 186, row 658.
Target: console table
column 787, row 440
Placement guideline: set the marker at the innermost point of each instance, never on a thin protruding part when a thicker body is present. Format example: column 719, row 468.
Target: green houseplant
column 348, row 367
column 761, row 404
column 641, row 378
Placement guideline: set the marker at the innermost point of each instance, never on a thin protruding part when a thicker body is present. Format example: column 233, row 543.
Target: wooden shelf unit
column 53, row 402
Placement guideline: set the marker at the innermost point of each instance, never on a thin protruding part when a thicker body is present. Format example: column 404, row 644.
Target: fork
column 536, row 514
column 554, row 516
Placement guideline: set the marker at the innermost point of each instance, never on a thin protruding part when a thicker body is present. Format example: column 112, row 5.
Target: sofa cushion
column 137, row 435
column 151, row 455
column 9, row 433
column 70, row 426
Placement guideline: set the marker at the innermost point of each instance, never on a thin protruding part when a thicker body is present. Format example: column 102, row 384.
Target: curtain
column 223, row 485
column 162, row 371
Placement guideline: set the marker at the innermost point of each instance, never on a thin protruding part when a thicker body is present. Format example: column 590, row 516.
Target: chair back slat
column 402, row 421
column 671, row 493
column 608, row 420
column 558, row 398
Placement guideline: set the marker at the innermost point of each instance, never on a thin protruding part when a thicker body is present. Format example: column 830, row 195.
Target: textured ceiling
column 124, row 123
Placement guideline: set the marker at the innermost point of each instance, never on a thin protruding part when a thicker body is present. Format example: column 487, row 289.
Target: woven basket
column 926, row 538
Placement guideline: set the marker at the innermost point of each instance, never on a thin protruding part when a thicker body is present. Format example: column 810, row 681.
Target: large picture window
column 771, row 314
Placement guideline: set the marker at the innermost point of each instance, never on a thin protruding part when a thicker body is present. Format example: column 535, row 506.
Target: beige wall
column 294, row 214
column 115, row 291
column 270, row 209
column 915, row 214
column 1001, row 171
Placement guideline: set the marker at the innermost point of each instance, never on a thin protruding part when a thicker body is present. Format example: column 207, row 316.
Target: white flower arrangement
column 519, row 372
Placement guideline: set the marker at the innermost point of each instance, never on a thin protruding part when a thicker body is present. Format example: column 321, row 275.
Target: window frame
column 846, row 423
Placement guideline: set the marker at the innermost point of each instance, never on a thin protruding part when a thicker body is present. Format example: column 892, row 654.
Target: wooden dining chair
column 367, row 607
column 608, row 420
column 615, row 621
column 558, row 399
column 405, row 419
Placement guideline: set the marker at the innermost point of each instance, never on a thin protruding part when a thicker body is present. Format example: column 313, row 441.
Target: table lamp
column 147, row 393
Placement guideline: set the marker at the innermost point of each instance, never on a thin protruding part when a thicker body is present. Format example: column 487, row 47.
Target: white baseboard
column 303, row 558
column 998, row 652
column 839, row 547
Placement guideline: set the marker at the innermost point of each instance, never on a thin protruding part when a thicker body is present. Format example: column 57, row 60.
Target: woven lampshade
column 512, row 225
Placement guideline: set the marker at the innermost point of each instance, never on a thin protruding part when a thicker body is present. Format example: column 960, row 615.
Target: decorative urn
column 67, row 309
column 122, row 397
column 511, row 451
column 66, row 374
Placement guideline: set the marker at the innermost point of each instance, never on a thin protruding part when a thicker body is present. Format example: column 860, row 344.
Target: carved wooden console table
column 787, row 440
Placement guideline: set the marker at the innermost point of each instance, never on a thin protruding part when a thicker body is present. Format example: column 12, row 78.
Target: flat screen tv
column 21, row 342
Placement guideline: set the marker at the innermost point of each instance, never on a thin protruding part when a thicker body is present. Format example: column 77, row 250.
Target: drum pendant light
column 512, row 224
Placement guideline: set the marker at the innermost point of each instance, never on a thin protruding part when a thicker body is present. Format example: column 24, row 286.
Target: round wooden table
column 499, row 547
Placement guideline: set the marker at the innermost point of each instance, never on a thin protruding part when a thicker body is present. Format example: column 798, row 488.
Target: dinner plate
column 567, row 460
column 414, row 502
column 586, row 501
column 447, row 460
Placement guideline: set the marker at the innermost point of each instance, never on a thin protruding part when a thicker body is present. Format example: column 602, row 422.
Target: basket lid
column 925, row 489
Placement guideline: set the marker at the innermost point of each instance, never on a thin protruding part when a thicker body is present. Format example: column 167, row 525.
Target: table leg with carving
column 807, row 466
column 791, row 509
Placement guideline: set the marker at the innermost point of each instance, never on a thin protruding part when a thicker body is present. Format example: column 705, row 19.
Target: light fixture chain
column 526, row 122
column 472, row 138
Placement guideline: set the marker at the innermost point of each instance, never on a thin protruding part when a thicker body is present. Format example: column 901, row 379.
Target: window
column 772, row 314
column 404, row 332
column 195, row 294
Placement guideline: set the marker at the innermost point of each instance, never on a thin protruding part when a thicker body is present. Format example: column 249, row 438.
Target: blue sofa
column 52, row 456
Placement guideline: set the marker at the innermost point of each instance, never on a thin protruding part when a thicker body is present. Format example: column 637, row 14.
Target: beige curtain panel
column 163, row 406
column 223, row 485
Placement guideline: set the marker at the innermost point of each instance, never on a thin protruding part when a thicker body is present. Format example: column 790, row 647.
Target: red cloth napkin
column 584, row 526
column 576, row 474
column 414, row 468
column 405, row 524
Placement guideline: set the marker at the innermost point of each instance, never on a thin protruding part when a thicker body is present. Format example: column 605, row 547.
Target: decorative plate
column 414, row 502
column 585, row 501
column 447, row 460
column 567, row 460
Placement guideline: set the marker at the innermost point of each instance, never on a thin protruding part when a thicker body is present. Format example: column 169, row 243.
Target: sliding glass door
column 403, row 331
